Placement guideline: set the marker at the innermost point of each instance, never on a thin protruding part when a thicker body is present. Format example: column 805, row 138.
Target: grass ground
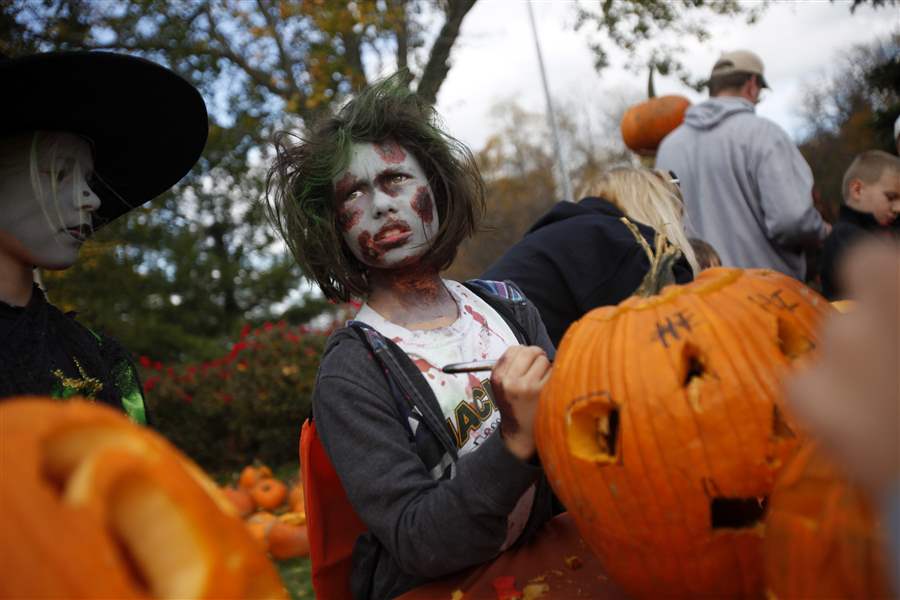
column 295, row 573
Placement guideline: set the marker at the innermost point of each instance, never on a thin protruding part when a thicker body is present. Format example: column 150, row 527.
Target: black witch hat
column 147, row 125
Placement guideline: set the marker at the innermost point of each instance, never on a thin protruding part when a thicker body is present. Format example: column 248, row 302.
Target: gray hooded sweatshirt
column 746, row 188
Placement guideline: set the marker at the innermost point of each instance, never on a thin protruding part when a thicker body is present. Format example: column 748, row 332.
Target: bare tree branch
column 283, row 58
column 226, row 51
column 438, row 62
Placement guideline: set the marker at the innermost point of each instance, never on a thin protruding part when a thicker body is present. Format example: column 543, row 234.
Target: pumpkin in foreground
column 822, row 536
column 661, row 428
column 644, row 125
column 102, row 508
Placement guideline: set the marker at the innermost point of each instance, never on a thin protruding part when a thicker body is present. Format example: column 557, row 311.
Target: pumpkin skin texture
column 661, row 428
column 296, row 501
column 822, row 537
column 288, row 541
column 251, row 475
column 644, row 125
column 102, row 508
column 241, row 500
column 269, row 494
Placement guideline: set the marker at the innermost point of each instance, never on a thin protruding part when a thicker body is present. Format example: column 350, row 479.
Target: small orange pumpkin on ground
column 260, row 524
column 241, row 500
column 822, row 537
column 662, row 428
column 644, row 125
column 269, row 494
column 295, row 499
column 251, row 475
column 102, row 508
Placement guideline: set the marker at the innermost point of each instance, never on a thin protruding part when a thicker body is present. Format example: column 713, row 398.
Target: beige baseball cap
column 739, row 61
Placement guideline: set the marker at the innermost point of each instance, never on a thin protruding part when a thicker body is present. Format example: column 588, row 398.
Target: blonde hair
column 648, row 197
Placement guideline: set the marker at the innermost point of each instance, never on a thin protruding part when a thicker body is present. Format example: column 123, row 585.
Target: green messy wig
column 300, row 192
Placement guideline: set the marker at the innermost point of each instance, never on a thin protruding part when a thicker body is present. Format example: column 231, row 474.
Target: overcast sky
column 495, row 58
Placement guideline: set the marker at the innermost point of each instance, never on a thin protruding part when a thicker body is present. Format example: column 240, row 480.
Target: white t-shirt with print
column 465, row 398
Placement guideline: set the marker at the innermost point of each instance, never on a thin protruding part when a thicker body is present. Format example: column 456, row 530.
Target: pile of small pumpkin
column 273, row 511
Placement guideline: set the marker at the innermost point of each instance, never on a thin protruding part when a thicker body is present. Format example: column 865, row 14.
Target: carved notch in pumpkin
column 791, row 341
column 737, row 513
column 107, row 472
column 593, row 429
column 780, row 427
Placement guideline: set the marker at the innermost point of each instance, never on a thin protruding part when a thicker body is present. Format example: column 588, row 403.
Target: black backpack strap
column 378, row 348
column 492, row 292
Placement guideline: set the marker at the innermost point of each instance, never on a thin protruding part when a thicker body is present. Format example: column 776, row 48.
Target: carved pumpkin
column 251, row 475
column 269, row 494
column 102, row 508
column 822, row 537
column 644, row 125
column 661, row 430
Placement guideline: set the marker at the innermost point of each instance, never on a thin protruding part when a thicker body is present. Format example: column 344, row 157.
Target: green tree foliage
column 174, row 281
column 653, row 32
column 849, row 111
column 250, row 400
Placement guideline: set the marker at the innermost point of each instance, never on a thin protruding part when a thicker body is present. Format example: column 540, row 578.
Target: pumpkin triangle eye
column 791, row 341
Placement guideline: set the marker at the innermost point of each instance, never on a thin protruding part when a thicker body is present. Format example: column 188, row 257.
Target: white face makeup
column 43, row 223
column 386, row 211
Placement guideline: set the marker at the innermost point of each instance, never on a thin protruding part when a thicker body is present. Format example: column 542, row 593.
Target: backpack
column 332, row 524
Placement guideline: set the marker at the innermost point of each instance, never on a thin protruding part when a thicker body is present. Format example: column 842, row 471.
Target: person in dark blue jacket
column 871, row 192
column 581, row 255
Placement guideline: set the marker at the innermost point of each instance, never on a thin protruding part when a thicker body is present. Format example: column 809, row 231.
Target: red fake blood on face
column 367, row 247
column 348, row 217
column 344, row 186
column 390, row 152
column 422, row 204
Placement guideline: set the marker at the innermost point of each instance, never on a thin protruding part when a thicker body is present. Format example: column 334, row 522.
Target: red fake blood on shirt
column 479, row 318
column 424, row 366
column 423, row 205
column 390, row 152
column 474, row 383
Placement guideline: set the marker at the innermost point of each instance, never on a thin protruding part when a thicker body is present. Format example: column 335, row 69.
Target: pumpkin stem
column 651, row 89
column 662, row 260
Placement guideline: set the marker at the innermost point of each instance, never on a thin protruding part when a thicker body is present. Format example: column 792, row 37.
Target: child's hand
column 516, row 382
column 850, row 396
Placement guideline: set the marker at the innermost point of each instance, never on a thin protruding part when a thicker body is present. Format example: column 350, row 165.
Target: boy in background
column 871, row 192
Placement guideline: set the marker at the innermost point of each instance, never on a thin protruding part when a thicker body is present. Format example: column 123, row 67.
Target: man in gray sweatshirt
column 747, row 189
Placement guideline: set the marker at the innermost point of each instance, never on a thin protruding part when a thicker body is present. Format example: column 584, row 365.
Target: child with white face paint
column 45, row 203
column 373, row 204
column 70, row 162
column 386, row 212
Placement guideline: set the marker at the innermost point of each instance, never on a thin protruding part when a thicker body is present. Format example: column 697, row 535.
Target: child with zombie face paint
column 374, row 203
column 84, row 138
